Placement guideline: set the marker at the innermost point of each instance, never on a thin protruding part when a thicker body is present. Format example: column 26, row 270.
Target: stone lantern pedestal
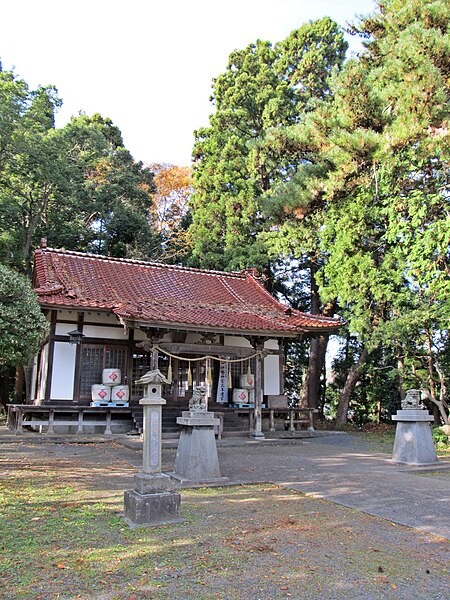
column 152, row 501
column 413, row 440
column 197, row 459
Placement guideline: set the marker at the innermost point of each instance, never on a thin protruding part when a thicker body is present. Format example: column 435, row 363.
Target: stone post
column 413, row 440
column 152, row 501
column 197, row 459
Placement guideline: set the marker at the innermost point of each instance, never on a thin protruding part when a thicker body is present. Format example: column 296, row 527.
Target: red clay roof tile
column 167, row 294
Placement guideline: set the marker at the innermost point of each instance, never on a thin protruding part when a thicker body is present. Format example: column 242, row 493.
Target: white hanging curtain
column 222, row 386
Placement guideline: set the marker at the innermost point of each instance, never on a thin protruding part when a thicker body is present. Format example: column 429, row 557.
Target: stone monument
column 197, row 458
column 152, row 501
column 413, row 440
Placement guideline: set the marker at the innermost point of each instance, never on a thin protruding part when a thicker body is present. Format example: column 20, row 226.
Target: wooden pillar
column 78, row 356
column 208, row 387
column 51, row 354
column 129, row 366
column 80, row 421
column 257, row 421
column 175, row 379
column 51, row 418
column 154, row 359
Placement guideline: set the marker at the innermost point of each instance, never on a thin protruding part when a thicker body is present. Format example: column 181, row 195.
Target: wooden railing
column 47, row 417
column 291, row 417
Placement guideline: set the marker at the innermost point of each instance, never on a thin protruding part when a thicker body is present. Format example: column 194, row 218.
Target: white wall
column 40, row 392
column 271, row 345
column 139, row 336
column 272, row 374
column 271, row 384
column 240, row 342
column 272, row 369
column 93, row 324
column 64, row 328
column 111, row 333
column 89, row 317
column 34, row 378
column 63, row 371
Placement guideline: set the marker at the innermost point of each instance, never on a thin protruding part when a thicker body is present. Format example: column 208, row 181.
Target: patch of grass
column 64, row 537
column 379, row 437
column 445, row 474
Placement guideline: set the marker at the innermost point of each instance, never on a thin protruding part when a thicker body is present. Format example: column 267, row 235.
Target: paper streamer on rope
column 222, row 361
column 249, row 375
column 169, row 371
column 217, row 358
column 209, row 378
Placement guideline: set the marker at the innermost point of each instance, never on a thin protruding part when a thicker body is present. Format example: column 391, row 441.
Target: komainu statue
column 198, row 401
column 412, row 400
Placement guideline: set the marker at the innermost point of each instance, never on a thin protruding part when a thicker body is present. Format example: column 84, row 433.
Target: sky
column 147, row 65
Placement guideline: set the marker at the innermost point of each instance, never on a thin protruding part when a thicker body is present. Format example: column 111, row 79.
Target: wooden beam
column 93, row 340
column 167, row 327
column 205, row 349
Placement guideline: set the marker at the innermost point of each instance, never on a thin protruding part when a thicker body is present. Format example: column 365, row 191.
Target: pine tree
column 240, row 157
column 376, row 186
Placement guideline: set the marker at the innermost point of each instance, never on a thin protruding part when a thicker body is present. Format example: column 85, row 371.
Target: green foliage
column 296, row 362
column 77, row 186
column 244, row 153
column 22, row 324
column 308, row 57
column 441, row 440
column 376, row 397
column 373, row 190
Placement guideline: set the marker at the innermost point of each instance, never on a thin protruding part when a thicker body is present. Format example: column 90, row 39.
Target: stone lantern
column 413, row 440
column 152, row 501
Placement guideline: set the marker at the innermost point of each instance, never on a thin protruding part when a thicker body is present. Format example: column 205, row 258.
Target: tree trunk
column 28, row 373
column 4, row 390
column 401, row 370
column 310, row 393
column 352, row 379
column 436, row 410
column 19, row 385
column 438, row 405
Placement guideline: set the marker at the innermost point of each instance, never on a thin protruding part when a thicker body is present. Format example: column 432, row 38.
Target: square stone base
column 152, row 509
column 197, row 458
column 153, row 483
column 413, row 444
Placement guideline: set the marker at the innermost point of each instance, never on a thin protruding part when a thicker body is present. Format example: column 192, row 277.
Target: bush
column 441, row 439
column 22, row 324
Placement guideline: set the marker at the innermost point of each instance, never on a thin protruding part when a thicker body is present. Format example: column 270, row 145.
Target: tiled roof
column 167, row 295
